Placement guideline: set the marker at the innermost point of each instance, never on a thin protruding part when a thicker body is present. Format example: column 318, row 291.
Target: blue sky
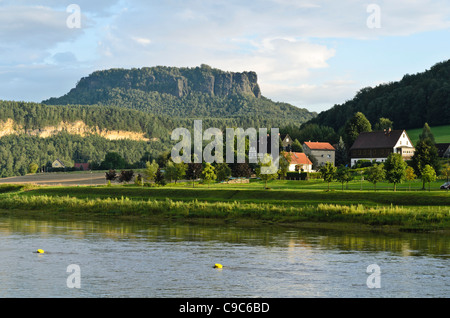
column 310, row 53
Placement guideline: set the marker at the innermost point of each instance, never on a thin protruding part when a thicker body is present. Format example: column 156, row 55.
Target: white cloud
column 142, row 41
column 288, row 43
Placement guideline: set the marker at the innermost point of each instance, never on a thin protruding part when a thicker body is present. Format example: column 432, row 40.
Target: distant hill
column 409, row 103
column 200, row 92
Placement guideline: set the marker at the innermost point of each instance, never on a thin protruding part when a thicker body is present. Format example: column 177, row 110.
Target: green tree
column 427, row 134
column 193, row 172
column 32, row 168
column 180, row 171
column 395, row 169
column 375, row 174
column 343, row 175
column 175, row 171
column 113, row 161
column 354, row 126
column 284, row 164
column 297, row 146
column 341, row 155
column 171, row 171
column 426, row 153
column 428, row 175
column 328, row 172
column 223, row 171
column 139, row 180
column 209, row 173
column 383, row 123
column 410, row 175
column 150, row 170
column 160, row 178
column 266, row 170
column 446, row 171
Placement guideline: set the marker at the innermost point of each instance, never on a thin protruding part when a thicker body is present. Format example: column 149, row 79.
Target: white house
column 298, row 161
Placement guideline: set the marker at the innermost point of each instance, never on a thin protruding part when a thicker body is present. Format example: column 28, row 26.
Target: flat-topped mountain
column 182, row 92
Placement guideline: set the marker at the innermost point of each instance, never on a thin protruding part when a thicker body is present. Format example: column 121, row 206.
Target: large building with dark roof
column 377, row 145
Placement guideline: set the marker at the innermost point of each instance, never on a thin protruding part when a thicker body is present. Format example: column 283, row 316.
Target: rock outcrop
column 178, row 82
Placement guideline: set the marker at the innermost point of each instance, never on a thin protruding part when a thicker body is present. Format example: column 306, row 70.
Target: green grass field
column 288, row 202
column 441, row 134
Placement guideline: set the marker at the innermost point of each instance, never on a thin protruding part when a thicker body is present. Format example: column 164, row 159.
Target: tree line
column 410, row 103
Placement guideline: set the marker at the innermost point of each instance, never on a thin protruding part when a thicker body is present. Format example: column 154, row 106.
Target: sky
column 312, row 54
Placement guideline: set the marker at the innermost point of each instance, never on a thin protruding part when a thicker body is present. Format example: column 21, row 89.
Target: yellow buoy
column 40, row 251
column 218, row 266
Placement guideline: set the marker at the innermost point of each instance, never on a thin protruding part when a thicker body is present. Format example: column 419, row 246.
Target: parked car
column 445, row 186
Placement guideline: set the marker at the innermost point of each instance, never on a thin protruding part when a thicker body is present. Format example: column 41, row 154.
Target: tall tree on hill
column 426, row 133
column 354, row 126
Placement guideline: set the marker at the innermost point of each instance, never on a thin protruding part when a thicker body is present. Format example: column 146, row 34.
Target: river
column 104, row 258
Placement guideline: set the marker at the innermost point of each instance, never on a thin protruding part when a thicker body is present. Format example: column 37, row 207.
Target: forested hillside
column 19, row 147
column 409, row 103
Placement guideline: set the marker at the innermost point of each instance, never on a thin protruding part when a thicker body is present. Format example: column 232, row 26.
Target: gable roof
column 319, row 145
column 59, row 161
column 377, row 139
column 442, row 148
column 297, row 158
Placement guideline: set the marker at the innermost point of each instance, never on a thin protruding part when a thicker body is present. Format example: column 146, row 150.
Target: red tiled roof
column 297, row 158
column 319, row 145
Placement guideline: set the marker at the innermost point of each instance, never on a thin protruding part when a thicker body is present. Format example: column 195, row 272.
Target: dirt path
column 59, row 178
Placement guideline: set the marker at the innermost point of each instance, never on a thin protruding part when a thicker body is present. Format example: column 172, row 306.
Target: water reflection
column 405, row 244
column 143, row 259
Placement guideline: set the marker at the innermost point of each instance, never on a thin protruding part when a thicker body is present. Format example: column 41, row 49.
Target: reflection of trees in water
column 278, row 236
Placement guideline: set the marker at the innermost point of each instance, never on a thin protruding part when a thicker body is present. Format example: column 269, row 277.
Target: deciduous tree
column 395, row 169
column 375, row 174
column 328, row 172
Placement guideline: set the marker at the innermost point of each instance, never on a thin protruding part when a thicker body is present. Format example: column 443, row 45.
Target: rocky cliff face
column 9, row 127
column 171, row 80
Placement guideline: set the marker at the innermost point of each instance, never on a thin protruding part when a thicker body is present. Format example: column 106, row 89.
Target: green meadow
column 441, row 134
column 296, row 203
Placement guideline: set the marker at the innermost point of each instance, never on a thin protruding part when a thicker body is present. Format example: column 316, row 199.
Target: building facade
column 322, row 151
column 298, row 162
column 377, row 145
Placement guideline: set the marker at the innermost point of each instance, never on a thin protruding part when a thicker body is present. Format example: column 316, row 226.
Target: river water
column 101, row 259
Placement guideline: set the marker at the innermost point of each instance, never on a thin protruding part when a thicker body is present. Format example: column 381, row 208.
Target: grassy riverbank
column 412, row 211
